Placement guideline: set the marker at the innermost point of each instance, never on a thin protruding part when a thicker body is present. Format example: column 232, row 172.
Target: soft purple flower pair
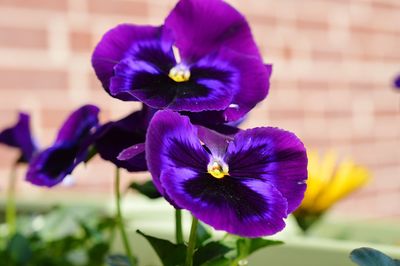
column 80, row 132
column 50, row 166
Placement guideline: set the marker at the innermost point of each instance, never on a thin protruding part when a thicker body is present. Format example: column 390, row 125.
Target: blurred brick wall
column 333, row 65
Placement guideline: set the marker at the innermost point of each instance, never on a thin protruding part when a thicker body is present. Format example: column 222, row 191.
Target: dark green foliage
column 247, row 246
column 147, row 189
column 62, row 237
column 19, row 250
column 203, row 235
column 169, row 253
column 211, row 252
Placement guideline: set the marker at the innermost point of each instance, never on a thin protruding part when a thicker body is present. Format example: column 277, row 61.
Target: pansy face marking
column 245, row 184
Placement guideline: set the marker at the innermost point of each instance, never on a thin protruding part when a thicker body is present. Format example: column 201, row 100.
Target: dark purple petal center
column 150, row 73
column 59, row 161
column 228, row 191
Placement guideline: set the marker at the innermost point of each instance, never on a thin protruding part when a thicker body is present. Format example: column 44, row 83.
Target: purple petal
column 142, row 81
column 212, row 85
column 273, row 155
column 52, row 165
column 245, row 207
column 131, row 152
column 215, row 141
column 19, row 136
column 172, row 141
column 78, row 124
column 202, row 27
column 114, row 137
column 113, row 47
column 254, row 87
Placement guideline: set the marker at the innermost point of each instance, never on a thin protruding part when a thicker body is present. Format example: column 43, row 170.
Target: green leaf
column 257, row 243
column 106, row 223
column 372, row 257
column 246, row 246
column 203, row 234
column 221, row 261
column 169, row 253
column 211, row 251
column 98, row 251
column 19, row 249
column 147, row 189
column 117, row 260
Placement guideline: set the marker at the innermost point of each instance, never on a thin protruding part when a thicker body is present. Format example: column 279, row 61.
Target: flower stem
column 178, row 226
column 192, row 242
column 11, row 212
column 119, row 219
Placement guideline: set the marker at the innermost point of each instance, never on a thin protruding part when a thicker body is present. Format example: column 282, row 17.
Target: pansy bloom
column 245, row 184
column 129, row 132
column 52, row 165
column 19, row 136
column 203, row 58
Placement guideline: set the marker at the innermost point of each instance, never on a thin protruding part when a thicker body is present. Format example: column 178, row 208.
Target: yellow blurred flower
column 328, row 182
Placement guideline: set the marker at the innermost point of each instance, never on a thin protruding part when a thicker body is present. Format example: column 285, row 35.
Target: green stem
column 192, row 242
column 11, row 212
column 119, row 219
column 178, row 226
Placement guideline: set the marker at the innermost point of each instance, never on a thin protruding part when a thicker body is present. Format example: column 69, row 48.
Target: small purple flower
column 19, row 136
column 203, row 58
column 245, row 184
column 397, row 82
column 114, row 137
column 52, row 165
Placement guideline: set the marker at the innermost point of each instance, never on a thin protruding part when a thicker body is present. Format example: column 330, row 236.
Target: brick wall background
column 334, row 61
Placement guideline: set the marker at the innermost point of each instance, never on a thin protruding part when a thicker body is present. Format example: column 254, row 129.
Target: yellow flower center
column 179, row 73
column 217, row 170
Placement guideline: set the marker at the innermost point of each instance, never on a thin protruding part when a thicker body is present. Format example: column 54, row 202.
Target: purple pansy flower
column 245, row 184
column 19, row 136
column 114, row 137
column 52, row 165
column 203, row 58
column 397, row 82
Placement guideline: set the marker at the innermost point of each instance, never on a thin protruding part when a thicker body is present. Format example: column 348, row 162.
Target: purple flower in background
column 203, row 58
column 245, row 184
column 397, row 82
column 19, row 136
column 52, row 165
column 114, row 137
